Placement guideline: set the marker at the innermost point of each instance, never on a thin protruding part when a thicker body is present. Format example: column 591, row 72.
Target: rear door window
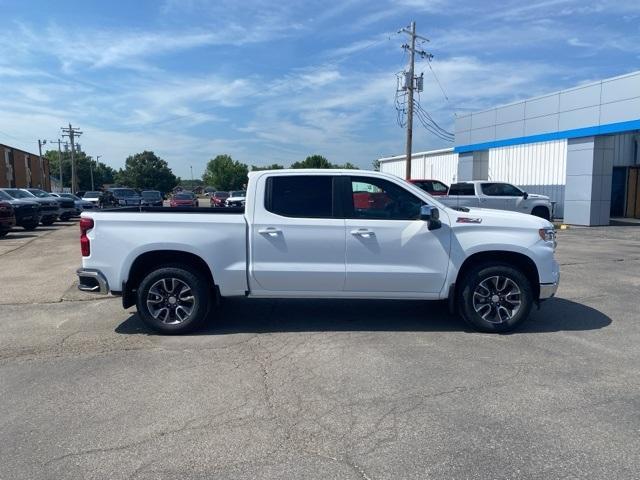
column 302, row 196
column 462, row 189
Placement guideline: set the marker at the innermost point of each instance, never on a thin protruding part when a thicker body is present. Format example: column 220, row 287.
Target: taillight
column 86, row 224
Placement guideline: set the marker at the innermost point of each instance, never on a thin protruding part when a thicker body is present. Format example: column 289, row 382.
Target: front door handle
column 271, row 231
column 363, row 232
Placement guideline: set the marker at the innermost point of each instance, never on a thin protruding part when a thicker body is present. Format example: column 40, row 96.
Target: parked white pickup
column 322, row 234
column 499, row 196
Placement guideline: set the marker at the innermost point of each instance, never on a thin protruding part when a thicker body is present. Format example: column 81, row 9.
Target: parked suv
column 151, row 198
column 49, row 208
column 126, row 197
column 27, row 212
column 66, row 207
column 218, row 199
column 7, row 218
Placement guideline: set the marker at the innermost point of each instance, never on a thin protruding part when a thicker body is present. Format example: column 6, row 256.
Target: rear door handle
column 363, row 232
column 271, row 231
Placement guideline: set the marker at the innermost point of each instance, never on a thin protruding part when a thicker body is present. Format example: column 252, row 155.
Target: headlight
column 548, row 235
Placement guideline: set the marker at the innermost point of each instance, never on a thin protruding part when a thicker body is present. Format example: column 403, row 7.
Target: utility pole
column 40, row 143
column 410, row 85
column 60, row 165
column 72, row 133
column 191, row 167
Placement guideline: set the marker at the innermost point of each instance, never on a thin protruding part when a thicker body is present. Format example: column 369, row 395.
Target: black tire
column 152, row 289
column 493, row 310
column 29, row 226
column 541, row 212
column 3, row 233
column 48, row 221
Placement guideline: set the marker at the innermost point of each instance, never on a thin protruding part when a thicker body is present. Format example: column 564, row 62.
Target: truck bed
column 228, row 210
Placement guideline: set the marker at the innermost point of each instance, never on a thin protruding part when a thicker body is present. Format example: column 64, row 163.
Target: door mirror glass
column 525, row 195
column 431, row 215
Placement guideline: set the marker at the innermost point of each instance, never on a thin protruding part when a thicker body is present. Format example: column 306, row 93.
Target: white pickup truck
column 497, row 195
column 320, row 234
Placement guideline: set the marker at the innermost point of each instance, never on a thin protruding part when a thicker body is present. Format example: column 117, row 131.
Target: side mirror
column 525, row 195
column 431, row 215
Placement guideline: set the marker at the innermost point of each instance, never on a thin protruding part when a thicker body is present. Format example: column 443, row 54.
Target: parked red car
column 217, row 199
column 432, row 187
column 7, row 218
column 184, row 199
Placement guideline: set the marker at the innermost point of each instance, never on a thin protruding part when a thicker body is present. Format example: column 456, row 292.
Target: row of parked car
column 30, row 207
column 234, row 198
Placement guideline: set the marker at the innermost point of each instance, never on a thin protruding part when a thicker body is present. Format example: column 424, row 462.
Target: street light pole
column 40, row 143
column 91, row 170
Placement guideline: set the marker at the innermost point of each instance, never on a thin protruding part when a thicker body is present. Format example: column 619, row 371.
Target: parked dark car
column 79, row 204
column 66, row 207
column 218, row 198
column 184, row 199
column 27, row 212
column 49, row 208
column 125, row 197
column 7, row 218
column 151, row 198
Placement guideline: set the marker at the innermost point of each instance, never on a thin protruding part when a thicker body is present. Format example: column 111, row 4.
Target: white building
column 580, row 146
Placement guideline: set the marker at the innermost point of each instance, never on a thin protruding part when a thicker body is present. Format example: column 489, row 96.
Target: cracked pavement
column 362, row 390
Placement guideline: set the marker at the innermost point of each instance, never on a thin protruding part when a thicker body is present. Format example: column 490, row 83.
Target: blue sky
column 275, row 81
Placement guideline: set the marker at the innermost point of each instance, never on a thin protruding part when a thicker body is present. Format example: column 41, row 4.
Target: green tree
column 273, row 166
column 318, row 161
column 313, row 161
column 102, row 173
column 225, row 173
column 147, row 170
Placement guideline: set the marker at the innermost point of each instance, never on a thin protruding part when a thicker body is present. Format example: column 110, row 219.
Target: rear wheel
column 174, row 299
column 495, row 298
column 541, row 212
column 48, row 221
column 32, row 225
column 3, row 233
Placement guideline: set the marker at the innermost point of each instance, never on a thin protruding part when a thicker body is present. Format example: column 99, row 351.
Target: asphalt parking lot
column 319, row 389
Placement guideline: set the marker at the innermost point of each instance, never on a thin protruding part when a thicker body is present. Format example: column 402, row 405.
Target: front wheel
column 174, row 299
column 32, row 225
column 48, row 221
column 495, row 298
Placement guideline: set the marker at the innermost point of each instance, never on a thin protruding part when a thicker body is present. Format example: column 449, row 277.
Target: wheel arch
column 515, row 259
column 148, row 261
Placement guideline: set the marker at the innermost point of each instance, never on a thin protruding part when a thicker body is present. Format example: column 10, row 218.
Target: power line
column 438, row 81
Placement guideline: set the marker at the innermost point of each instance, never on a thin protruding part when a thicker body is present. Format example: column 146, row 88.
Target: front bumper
column 548, row 290
column 92, row 281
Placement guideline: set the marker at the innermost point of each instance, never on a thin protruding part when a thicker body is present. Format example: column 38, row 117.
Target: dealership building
column 580, row 146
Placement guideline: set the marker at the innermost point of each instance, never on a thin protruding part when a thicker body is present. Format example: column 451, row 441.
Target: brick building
column 22, row 169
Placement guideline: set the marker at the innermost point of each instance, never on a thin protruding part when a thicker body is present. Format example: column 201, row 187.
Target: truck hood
column 496, row 218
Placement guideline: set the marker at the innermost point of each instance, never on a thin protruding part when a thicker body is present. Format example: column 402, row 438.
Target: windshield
column 5, row 196
column 184, row 196
column 238, row 193
column 124, row 192
column 151, row 194
column 69, row 195
column 39, row 193
column 92, row 194
column 16, row 193
column 221, row 194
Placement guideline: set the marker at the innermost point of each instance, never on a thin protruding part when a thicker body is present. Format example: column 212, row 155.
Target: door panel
column 296, row 244
column 396, row 256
